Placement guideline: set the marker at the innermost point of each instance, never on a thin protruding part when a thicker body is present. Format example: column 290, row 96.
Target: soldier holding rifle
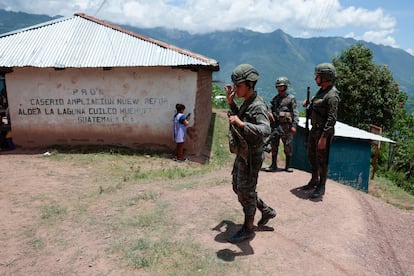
column 284, row 115
column 249, row 123
column 323, row 110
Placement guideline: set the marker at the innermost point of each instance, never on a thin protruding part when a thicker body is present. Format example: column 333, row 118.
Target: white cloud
column 359, row 17
column 380, row 37
column 352, row 35
column 296, row 17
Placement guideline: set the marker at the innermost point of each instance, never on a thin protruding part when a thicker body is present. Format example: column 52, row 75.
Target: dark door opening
column 6, row 139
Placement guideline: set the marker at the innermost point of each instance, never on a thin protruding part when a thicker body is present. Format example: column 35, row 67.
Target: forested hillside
column 273, row 54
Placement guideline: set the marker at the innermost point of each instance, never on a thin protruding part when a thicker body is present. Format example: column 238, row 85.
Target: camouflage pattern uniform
column 323, row 112
column 245, row 172
column 285, row 112
column 252, row 123
column 324, row 108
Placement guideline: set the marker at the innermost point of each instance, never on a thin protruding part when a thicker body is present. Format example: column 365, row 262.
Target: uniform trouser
column 245, row 175
column 287, row 144
column 318, row 159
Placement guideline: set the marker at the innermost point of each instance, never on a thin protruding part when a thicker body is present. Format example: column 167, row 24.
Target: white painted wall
column 125, row 106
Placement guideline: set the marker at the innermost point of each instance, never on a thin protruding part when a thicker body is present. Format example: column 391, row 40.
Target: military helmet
column 326, row 70
column 282, row 81
column 244, row 72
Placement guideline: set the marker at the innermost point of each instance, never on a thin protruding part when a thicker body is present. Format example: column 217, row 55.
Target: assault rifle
column 308, row 114
column 237, row 143
column 275, row 132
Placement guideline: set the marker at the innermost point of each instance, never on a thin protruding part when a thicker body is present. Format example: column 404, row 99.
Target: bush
column 219, row 97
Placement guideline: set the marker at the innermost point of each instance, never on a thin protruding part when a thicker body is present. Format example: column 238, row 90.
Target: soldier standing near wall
column 252, row 124
column 323, row 112
column 284, row 114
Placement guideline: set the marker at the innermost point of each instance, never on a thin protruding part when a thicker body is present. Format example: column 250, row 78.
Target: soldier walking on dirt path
column 252, row 124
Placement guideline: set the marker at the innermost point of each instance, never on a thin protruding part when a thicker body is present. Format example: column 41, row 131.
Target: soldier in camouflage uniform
column 324, row 110
column 284, row 113
column 252, row 122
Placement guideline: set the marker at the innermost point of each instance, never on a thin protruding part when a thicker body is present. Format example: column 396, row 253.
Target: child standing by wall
column 180, row 128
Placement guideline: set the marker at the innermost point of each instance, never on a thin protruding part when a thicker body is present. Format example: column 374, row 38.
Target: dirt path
column 348, row 233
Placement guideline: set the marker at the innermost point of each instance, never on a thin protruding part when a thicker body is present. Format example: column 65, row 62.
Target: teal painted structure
column 349, row 159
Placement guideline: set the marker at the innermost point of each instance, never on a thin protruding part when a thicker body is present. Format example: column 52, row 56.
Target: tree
column 404, row 162
column 369, row 93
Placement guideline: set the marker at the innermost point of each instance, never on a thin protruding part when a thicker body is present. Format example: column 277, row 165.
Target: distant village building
column 349, row 157
column 82, row 81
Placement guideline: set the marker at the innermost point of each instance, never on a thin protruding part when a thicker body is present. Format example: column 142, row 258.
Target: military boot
column 273, row 166
column 311, row 185
column 267, row 214
column 320, row 189
column 287, row 165
column 246, row 232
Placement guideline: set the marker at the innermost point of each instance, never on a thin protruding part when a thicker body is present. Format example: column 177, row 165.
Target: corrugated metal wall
column 349, row 161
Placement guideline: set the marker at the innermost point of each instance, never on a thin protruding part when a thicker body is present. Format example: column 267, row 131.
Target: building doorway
column 6, row 139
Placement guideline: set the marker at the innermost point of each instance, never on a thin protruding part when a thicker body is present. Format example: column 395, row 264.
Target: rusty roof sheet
column 83, row 41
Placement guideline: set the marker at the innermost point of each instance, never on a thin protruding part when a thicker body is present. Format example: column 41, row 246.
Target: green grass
column 172, row 258
column 389, row 192
column 37, row 243
column 125, row 202
column 147, row 241
column 129, row 184
column 52, row 212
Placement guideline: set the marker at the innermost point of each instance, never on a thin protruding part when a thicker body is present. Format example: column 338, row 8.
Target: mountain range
column 273, row 54
column 279, row 54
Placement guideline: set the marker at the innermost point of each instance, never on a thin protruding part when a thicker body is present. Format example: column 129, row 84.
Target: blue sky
column 386, row 22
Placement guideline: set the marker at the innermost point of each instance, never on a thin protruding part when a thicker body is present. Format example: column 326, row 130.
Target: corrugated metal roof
column 344, row 130
column 83, row 41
